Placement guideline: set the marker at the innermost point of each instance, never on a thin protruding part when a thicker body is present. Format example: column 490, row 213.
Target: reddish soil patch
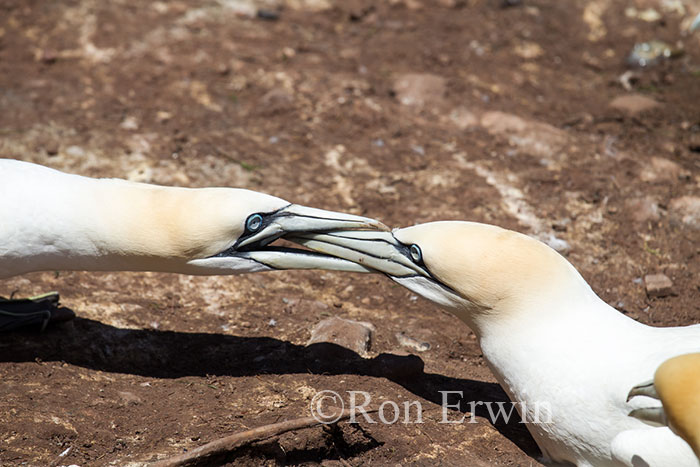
column 305, row 107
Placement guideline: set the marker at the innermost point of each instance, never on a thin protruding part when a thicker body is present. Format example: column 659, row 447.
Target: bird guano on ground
column 56, row 221
column 676, row 384
column 551, row 342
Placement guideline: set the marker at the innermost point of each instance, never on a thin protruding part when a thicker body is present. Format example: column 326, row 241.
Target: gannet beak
column 373, row 249
column 645, row 389
column 382, row 252
column 651, row 415
column 262, row 229
column 252, row 251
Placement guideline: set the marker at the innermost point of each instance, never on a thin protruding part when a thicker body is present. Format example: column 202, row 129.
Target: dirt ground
column 403, row 110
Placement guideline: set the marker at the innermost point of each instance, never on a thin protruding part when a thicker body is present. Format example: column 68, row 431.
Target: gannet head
column 677, row 385
column 240, row 227
column 470, row 268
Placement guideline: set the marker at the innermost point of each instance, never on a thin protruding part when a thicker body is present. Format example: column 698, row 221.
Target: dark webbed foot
column 36, row 311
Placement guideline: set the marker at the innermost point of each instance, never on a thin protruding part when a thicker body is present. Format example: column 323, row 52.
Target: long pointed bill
column 644, row 389
column 284, row 258
column 251, row 252
column 651, row 415
column 301, row 219
column 373, row 249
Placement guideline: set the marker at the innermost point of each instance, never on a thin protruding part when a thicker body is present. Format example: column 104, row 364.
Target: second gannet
column 50, row 220
column 551, row 342
column 676, row 384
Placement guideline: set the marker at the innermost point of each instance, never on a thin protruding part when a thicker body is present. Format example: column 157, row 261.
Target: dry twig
column 230, row 443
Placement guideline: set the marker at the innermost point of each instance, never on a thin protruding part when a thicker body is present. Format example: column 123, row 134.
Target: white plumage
column 548, row 338
column 51, row 220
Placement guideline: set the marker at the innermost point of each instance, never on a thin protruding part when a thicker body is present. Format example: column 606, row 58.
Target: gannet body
column 551, row 342
column 676, row 384
column 50, row 220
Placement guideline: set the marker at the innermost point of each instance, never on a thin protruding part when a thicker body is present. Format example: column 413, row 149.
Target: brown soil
column 201, row 93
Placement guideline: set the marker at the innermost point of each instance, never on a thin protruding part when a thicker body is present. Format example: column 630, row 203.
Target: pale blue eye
column 416, row 254
column 254, row 223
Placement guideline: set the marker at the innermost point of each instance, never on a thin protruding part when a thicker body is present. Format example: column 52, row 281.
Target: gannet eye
column 416, row 254
column 253, row 223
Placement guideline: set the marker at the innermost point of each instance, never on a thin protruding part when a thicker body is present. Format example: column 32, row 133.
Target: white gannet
column 50, row 220
column 551, row 342
column 676, row 384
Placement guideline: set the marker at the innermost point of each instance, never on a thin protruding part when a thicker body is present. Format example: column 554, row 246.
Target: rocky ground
column 526, row 114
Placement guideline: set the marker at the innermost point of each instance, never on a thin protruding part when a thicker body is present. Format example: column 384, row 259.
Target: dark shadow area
column 167, row 354
column 332, row 445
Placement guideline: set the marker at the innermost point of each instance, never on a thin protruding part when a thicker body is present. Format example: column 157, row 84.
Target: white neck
column 62, row 221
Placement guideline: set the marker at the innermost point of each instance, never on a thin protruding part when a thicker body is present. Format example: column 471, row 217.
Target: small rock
column 643, row 209
column 463, row 118
column 277, row 100
column 129, row 398
column 652, row 53
column 685, row 210
column 129, row 123
column 658, row 285
column 288, row 52
column 420, row 150
column 419, row 89
column 634, row 104
column 694, row 144
column 660, row 169
column 75, row 151
column 268, row 15
column 162, row 116
column 528, row 50
column 535, row 138
column 412, row 343
column 354, row 335
column 649, row 15
column 52, row 149
column 510, row 3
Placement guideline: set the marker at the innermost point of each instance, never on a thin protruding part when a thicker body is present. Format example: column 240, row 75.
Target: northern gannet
column 50, row 220
column 676, row 384
column 551, row 342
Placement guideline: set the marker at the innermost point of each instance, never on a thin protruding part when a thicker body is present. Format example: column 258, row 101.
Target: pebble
column 658, row 285
column 660, row 169
column 685, row 210
column 412, row 343
column 129, row 398
column 268, row 15
column 418, row 149
column 463, row 118
column 75, row 151
column 129, row 123
column 277, row 100
column 353, row 335
column 634, row 104
column 651, row 53
column 536, row 138
column 162, row 116
column 694, row 144
column 419, row 89
column 643, row 210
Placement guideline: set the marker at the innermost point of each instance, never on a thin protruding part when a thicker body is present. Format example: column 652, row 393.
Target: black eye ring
column 254, row 222
column 416, row 254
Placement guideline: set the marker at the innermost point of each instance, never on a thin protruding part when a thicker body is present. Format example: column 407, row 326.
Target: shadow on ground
column 168, row 354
